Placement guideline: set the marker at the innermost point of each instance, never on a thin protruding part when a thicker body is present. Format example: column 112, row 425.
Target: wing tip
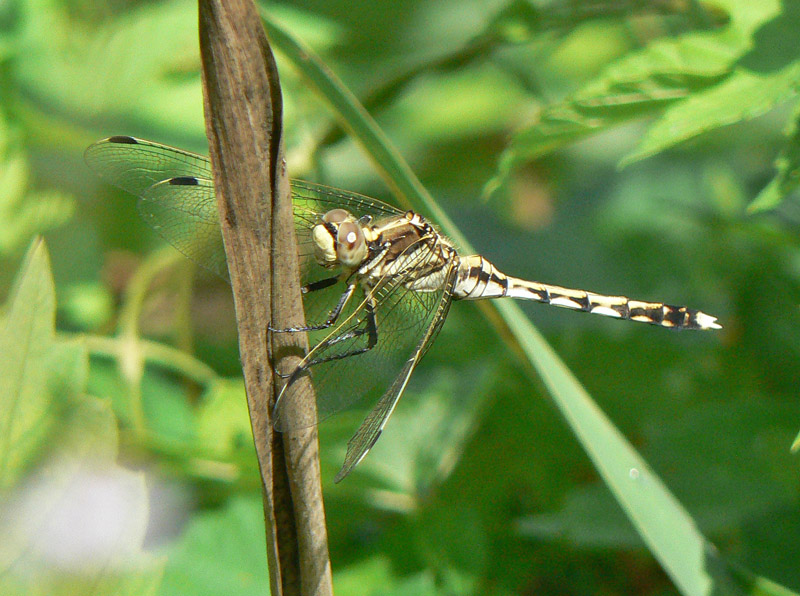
column 122, row 140
column 351, row 461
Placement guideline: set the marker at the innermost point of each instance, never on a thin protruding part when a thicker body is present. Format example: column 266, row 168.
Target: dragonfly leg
column 319, row 285
column 332, row 316
column 371, row 331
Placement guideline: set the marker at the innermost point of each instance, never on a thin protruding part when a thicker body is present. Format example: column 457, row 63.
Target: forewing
column 175, row 190
column 183, row 211
column 135, row 165
column 178, row 202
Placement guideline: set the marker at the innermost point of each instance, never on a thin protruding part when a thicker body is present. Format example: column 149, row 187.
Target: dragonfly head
column 339, row 239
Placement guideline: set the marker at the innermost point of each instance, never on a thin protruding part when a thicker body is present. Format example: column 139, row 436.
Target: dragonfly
column 377, row 281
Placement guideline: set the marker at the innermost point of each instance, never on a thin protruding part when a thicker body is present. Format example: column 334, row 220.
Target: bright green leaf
column 76, row 524
column 743, row 96
column 641, row 83
column 221, row 552
column 30, row 393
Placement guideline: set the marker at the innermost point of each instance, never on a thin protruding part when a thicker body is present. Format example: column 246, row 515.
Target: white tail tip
column 705, row 321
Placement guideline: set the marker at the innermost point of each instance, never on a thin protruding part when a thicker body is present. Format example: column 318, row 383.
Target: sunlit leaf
column 641, row 83
column 75, row 522
column 38, row 374
column 744, row 95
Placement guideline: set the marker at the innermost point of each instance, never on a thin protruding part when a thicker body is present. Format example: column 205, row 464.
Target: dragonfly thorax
column 339, row 240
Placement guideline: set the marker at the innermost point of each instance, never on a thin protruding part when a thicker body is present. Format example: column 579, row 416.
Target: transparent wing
column 176, row 193
column 183, row 210
column 370, row 430
column 134, row 165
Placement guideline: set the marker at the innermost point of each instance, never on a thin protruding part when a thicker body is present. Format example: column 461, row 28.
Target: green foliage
column 75, row 521
column 477, row 484
column 788, row 177
column 23, row 212
column 693, row 84
column 220, row 552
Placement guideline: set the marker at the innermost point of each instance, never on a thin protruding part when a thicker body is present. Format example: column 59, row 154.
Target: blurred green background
column 638, row 148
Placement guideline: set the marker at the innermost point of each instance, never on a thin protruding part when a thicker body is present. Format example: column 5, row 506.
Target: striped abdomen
column 478, row 278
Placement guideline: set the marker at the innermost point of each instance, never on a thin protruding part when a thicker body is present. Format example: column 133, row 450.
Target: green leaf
column 743, row 96
column 76, row 523
column 787, row 179
column 767, row 76
column 221, row 552
column 641, row 83
column 31, row 366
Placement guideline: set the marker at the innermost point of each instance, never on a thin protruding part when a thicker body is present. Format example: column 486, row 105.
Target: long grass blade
column 666, row 527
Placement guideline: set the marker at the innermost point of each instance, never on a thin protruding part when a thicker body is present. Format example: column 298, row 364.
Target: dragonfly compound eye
column 351, row 247
column 335, row 216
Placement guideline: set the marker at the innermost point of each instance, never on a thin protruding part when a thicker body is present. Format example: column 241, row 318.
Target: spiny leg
column 372, row 339
column 332, row 316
